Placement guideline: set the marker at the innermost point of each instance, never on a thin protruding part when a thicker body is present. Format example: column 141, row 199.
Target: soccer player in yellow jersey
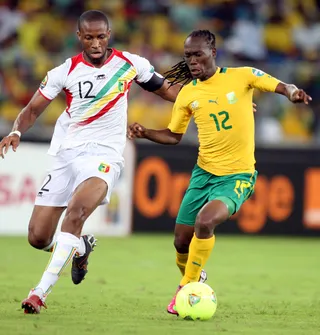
column 220, row 101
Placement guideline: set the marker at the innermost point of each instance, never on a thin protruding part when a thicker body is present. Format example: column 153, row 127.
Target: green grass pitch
column 264, row 286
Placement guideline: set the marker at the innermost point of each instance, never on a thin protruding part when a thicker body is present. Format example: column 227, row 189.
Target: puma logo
column 213, row 101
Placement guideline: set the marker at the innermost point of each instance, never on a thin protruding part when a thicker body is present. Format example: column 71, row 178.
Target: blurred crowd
column 281, row 37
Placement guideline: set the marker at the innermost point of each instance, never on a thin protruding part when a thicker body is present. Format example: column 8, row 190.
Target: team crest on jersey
column 195, row 105
column 44, row 82
column 105, row 168
column 232, row 99
column 258, row 73
column 123, row 85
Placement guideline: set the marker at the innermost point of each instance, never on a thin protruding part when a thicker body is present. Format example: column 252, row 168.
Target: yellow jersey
column 223, row 112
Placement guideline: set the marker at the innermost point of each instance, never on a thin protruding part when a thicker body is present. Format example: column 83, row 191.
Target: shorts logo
column 241, row 187
column 105, row 168
column 44, row 82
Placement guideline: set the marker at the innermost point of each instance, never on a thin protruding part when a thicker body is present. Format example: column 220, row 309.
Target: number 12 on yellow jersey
column 221, row 120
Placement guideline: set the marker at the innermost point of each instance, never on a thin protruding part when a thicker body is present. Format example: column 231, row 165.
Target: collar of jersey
column 211, row 78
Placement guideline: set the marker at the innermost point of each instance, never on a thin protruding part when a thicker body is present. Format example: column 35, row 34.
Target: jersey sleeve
column 181, row 115
column 54, row 81
column 144, row 69
column 261, row 80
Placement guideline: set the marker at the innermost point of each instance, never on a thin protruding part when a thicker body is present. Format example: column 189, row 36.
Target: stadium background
column 280, row 37
column 264, row 284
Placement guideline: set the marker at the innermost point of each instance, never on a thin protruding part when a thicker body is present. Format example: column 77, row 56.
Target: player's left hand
column 300, row 96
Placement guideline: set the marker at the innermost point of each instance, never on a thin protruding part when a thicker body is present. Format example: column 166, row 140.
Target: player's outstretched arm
column 164, row 136
column 24, row 121
column 293, row 93
column 168, row 92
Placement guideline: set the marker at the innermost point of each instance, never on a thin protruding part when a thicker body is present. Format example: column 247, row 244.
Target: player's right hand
column 136, row 130
column 12, row 140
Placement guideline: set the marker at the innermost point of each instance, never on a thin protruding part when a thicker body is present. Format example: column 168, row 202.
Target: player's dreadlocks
column 180, row 73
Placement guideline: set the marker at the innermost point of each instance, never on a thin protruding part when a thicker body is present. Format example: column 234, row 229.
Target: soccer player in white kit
column 88, row 145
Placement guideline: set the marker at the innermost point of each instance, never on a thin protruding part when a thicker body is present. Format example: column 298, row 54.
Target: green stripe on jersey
column 112, row 81
column 109, row 84
column 223, row 70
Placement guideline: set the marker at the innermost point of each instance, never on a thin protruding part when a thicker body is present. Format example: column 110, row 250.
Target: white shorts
column 73, row 166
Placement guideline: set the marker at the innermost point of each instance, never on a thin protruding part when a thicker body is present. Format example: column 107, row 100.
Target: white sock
column 82, row 248
column 49, row 247
column 64, row 249
column 38, row 292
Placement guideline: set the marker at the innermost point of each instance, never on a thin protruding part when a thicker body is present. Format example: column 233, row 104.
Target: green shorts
column 232, row 189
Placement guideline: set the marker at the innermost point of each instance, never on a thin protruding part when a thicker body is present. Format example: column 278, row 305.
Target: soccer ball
column 196, row 301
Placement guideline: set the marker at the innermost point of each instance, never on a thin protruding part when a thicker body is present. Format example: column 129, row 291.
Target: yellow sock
column 181, row 262
column 199, row 252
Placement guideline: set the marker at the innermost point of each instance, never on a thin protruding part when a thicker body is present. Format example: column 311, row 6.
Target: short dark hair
column 91, row 16
column 180, row 72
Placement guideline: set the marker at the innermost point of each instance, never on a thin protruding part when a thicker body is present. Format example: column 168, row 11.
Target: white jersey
column 96, row 99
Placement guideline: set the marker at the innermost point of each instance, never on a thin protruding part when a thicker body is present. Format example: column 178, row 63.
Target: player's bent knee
column 181, row 243
column 38, row 240
column 206, row 223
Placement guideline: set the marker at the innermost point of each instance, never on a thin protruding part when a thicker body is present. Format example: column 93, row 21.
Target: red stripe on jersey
column 128, row 89
column 77, row 60
column 113, row 52
column 120, row 55
column 44, row 95
column 102, row 112
column 105, row 109
column 69, row 98
column 74, row 62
